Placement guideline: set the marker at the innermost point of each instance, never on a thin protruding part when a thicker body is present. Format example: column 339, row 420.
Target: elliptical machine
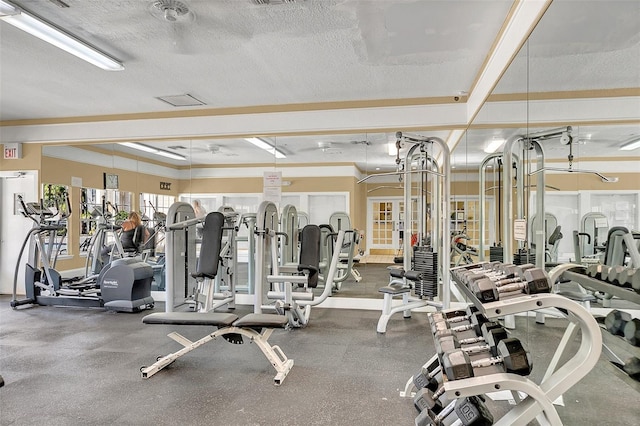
column 123, row 285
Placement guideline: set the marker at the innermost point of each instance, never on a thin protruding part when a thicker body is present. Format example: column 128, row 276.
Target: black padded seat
column 396, row 272
column 219, row 319
column 394, row 289
column 262, row 320
column 413, row 275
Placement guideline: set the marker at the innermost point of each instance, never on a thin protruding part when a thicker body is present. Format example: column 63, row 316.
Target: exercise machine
column 288, row 289
column 461, row 251
column 340, row 221
column 425, row 267
column 590, row 242
column 552, row 232
column 106, row 233
column 215, row 290
column 180, row 255
column 123, row 285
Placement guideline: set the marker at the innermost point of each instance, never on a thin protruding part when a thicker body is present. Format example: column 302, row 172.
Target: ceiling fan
column 334, row 147
column 211, row 148
column 185, row 24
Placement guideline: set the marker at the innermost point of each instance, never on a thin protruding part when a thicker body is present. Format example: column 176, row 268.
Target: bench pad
column 219, row 319
column 396, row 272
column 262, row 320
column 394, row 289
column 413, row 275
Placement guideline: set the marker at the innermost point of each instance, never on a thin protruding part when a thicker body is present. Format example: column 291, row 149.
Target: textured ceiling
column 234, row 53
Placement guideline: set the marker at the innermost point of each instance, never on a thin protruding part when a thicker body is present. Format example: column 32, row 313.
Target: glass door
column 386, row 227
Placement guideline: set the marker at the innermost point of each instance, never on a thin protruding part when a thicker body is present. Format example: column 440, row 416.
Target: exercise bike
column 123, row 285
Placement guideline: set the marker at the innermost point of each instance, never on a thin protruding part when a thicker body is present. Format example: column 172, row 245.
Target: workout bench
column 230, row 326
column 256, row 327
column 398, row 287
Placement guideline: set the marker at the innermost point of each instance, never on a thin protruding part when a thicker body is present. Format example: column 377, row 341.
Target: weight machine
column 290, row 287
column 214, row 292
column 425, row 265
column 590, row 243
column 340, row 221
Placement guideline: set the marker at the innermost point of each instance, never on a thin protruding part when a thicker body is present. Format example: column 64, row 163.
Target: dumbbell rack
column 539, row 401
column 569, row 272
column 602, row 286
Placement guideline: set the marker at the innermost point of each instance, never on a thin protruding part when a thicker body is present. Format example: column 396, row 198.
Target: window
column 56, row 199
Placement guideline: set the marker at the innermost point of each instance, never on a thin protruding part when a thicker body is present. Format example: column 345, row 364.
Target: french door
column 385, row 224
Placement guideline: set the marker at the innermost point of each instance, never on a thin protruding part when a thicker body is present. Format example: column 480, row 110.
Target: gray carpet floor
column 74, row 366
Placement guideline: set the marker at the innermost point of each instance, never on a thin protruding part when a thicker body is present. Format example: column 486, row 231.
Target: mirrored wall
column 541, row 90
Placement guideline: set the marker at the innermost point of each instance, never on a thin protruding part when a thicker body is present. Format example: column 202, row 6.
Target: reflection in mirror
column 574, row 171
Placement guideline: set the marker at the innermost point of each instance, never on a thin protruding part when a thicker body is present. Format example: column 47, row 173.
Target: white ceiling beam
column 276, row 123
column 524, row 17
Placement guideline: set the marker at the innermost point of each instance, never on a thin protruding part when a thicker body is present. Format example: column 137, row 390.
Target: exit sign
column 12, row 151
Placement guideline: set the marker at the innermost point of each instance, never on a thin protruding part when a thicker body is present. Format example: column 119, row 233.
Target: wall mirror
column 541, row 89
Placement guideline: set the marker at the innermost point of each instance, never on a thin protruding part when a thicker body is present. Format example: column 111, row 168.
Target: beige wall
column 60, row 171
column 31, row 157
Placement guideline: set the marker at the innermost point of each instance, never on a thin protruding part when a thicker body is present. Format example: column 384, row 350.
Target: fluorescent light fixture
column 152, row 150
column 38, row 27
column 263, row 144
column 494, row 145
column 631, row 145
column 393, row 151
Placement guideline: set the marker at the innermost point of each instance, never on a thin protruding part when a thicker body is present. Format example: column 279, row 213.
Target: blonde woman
column 134, row 234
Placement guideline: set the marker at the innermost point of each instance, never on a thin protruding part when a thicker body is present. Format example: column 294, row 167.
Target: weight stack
column 495, row 254
column 425, row 261
column 523, row 257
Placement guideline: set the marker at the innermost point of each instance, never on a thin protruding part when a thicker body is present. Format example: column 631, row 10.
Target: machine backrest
column 614, row 255
column 211, row 246
column 310, row 252
column 138, row 236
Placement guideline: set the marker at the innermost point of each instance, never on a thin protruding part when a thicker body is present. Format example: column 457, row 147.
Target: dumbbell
column 427, row 379
column 534, row 281
column 498, row 271
column 505, row 274
column 454, row 315
column 613, row 273
column 630, row 277
column 492, row 334
column 426, row 399
column 512, row 355
column 475, row 323
column 615, row 322
column 470, row 410
column 597, row 271
column 632, row 367
column 441, row 320
column 632, row 331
